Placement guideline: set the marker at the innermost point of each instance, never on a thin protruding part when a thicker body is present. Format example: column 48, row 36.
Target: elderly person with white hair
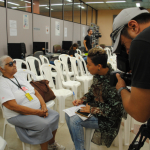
column 25, row 108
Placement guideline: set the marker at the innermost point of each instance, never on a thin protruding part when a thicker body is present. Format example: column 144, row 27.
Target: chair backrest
column 37, row 54
column 64, row 58
column 31, row 61
column 19, row 63
column 44, row 59
column 59, row 65
column 108, row 51
column 25, row 72
column 74, row 66
column 78, row 51
column 57, row 49
column 46, row 71
column 82, row 65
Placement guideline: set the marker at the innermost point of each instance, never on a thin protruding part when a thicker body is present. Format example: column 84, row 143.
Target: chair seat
column 63, row 92
column 39, row 78
column 69, row 73
column 83, row 78
column 50, row 104
column 71, row 83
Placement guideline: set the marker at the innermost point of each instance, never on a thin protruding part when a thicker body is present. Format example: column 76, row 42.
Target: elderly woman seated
column 102, row 101
column 25, row 108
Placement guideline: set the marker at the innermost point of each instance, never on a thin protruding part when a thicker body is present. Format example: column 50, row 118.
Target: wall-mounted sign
column 25, row 22
column 57, row 28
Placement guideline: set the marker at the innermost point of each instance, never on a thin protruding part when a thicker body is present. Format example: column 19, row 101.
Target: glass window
column 20, row 5
column 83, row 13
column 56, row 8
column 68, row 10
column 94, row 16
column 2, row 2
column 77, row 11
column 89, row 18
column 41, row 7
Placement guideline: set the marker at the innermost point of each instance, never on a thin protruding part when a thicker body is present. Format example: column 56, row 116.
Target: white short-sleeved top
column 9, row 91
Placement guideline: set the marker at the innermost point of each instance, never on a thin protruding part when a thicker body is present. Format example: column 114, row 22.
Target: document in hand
column 71, row 111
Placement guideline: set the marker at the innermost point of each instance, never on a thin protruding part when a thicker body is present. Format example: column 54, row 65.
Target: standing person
column 88, row 40
column 133, row 33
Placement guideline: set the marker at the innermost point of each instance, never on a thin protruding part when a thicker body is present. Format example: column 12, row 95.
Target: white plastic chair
column 64, row 58
column 31, row 61
column 108, row 51
column 49, row 104
column 89, row 134
column 61, row 93
column 74, row 85
column 19, row 63
column 45, row 60
column 24, row 145
column 78, row 51
column 3, row 144
column 86, row 80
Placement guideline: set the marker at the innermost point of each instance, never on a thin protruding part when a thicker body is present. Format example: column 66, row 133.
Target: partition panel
column 76, row 32
column 57, row 30
column 41, row 29
column 68, row 31
column 83, row 33
column 20, row 29
column 3, row 34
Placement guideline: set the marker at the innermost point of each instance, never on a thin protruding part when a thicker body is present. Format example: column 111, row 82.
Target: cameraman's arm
column 136, row 103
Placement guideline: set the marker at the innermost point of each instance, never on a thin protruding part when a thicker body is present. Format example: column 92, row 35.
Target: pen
column 74, row 96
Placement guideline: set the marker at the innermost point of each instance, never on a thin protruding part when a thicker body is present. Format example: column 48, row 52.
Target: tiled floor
column 62, row 137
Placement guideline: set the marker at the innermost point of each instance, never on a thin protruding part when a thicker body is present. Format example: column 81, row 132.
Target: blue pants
column 76, row 124
column 85, row 59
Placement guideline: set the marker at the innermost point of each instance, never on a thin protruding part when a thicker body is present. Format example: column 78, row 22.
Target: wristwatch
column 122, row 88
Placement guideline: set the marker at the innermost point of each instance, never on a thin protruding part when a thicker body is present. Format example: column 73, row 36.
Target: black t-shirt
column 88, row 42
column 72, row 52
column 139, row 58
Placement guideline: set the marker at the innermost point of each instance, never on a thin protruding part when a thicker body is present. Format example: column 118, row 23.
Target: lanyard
column 18, row 85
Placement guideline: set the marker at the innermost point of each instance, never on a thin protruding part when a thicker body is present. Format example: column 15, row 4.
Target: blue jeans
column 85, row 59
column 76, row 124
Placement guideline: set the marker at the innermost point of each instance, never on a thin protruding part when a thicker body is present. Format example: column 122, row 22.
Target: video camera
column 122, row 65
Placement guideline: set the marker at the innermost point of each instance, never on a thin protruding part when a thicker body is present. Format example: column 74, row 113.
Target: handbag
column 44, row 90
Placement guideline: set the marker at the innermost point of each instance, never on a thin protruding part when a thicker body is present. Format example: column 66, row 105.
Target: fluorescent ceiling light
column 1, row 1
column 42, row 5
column 69, row 0
column 14, row 7
column 115, row 1
column 94, row 2
column 13, row 3
column 24, row 7
column 27, row 2
column 138, row 4
column 52, row 9
column 56, row 4
column 47, row 7
column 76, row 3
column 81, row 6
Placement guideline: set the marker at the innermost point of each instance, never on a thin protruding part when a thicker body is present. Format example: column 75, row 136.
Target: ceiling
column 118, row 5
column 56, row 5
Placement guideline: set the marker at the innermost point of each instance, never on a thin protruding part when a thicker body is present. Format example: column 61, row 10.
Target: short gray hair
column 2, row 61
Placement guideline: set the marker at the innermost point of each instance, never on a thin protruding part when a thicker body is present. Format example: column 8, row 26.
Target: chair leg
column 26, row 146
column 120, row 139
column 85, row 87
column 4, row 129
column 61, row 108
column 88, row 136
column 127, row 130
column 55, row 106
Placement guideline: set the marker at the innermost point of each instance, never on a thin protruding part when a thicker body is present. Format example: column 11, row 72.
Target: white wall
column 23, row 35
column 3, row 34
column 69, row 26
column 76, row 32
column 40, row 24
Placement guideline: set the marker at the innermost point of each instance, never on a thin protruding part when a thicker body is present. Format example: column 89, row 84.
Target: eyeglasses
column 11, row 63
column 115, row 33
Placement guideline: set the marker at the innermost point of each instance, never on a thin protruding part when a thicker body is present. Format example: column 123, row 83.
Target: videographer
column 131, row 29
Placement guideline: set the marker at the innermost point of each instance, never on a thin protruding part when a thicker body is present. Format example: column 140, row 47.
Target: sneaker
column 56, row 146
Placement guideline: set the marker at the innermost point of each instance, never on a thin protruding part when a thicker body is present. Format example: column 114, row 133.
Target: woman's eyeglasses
column 11, row 63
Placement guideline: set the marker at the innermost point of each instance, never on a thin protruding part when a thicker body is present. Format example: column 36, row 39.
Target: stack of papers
column 72, row 111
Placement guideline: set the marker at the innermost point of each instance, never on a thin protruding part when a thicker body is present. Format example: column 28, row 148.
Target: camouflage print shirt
column 107, row 106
